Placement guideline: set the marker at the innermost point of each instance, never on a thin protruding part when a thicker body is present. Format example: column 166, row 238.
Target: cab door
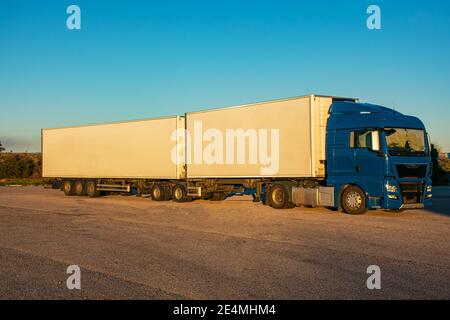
column 368, row 160
column 340, row 158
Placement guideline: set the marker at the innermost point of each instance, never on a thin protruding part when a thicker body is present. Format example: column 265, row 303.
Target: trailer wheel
column 157, row 193
column 91, row 189
column 354, row 201
column 68, row 188
column 161, row 192
column 80, row 188
column 179, row 193
column 167, row 189
column 278, row 197
column 218, row 196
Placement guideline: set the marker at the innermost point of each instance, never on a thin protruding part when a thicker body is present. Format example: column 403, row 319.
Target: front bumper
column 410, row 194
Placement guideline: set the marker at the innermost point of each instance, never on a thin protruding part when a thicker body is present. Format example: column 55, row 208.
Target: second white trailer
column 276, row 139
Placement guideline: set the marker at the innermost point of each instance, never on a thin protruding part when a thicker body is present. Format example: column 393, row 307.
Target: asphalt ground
column 133, row 248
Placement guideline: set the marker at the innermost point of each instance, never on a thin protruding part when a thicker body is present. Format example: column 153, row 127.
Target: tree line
column 19, row 165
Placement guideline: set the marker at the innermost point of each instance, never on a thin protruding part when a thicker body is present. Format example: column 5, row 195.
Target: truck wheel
column 218, row 196
column 167, row 192
column 80, row 188
column 157, row 193
column 179, row 193
column 279, row 197
column 68, row 188
column 354, row 200
column 91, row 189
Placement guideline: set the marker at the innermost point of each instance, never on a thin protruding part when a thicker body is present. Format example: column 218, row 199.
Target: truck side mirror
column 375, row 140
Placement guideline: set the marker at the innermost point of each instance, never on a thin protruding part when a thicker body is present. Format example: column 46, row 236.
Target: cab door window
column 361, row 139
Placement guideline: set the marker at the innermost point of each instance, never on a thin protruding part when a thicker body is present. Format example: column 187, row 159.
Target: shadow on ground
column 441, row 201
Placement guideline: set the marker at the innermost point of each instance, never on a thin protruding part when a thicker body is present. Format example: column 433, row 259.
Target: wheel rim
column 90, row 188
column 67, row 187
column 178, row 193
column 156, row 193
column 353, row 200
column 278, row 196
column 79, row 188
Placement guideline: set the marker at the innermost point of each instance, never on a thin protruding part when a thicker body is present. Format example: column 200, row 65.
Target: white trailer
column 300, row 124
column 114, row 151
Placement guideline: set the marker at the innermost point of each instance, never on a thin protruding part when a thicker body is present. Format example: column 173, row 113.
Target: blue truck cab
column 377, row 158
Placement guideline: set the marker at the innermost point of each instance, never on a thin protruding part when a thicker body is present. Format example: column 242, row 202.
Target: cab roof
column 354, row 115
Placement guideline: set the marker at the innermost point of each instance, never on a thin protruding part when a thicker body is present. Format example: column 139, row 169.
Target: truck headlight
column 391, row 188
column 429, row 189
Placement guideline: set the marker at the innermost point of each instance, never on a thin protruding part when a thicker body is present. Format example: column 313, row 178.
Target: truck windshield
column 405, row 142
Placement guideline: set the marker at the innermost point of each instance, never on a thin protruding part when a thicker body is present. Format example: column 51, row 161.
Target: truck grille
column 412, row 192
column 412, row 170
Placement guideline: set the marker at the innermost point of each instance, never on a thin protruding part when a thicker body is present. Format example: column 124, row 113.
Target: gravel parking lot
column 133, row 248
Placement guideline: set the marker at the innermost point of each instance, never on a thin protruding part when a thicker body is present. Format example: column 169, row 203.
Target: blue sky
column 139, row 59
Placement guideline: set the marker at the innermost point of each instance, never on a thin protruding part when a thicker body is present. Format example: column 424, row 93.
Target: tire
column 68, row 188
column 354, row 201
column 157, row 193
column 167, row 192
column 179, row 193
column 91, row 189
column 278, row 197
column 80, row 188
column 218, row 196
column 161, row 192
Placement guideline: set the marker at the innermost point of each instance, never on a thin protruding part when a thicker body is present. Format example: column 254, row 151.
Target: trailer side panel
column 134, row 149
column 300, row 151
